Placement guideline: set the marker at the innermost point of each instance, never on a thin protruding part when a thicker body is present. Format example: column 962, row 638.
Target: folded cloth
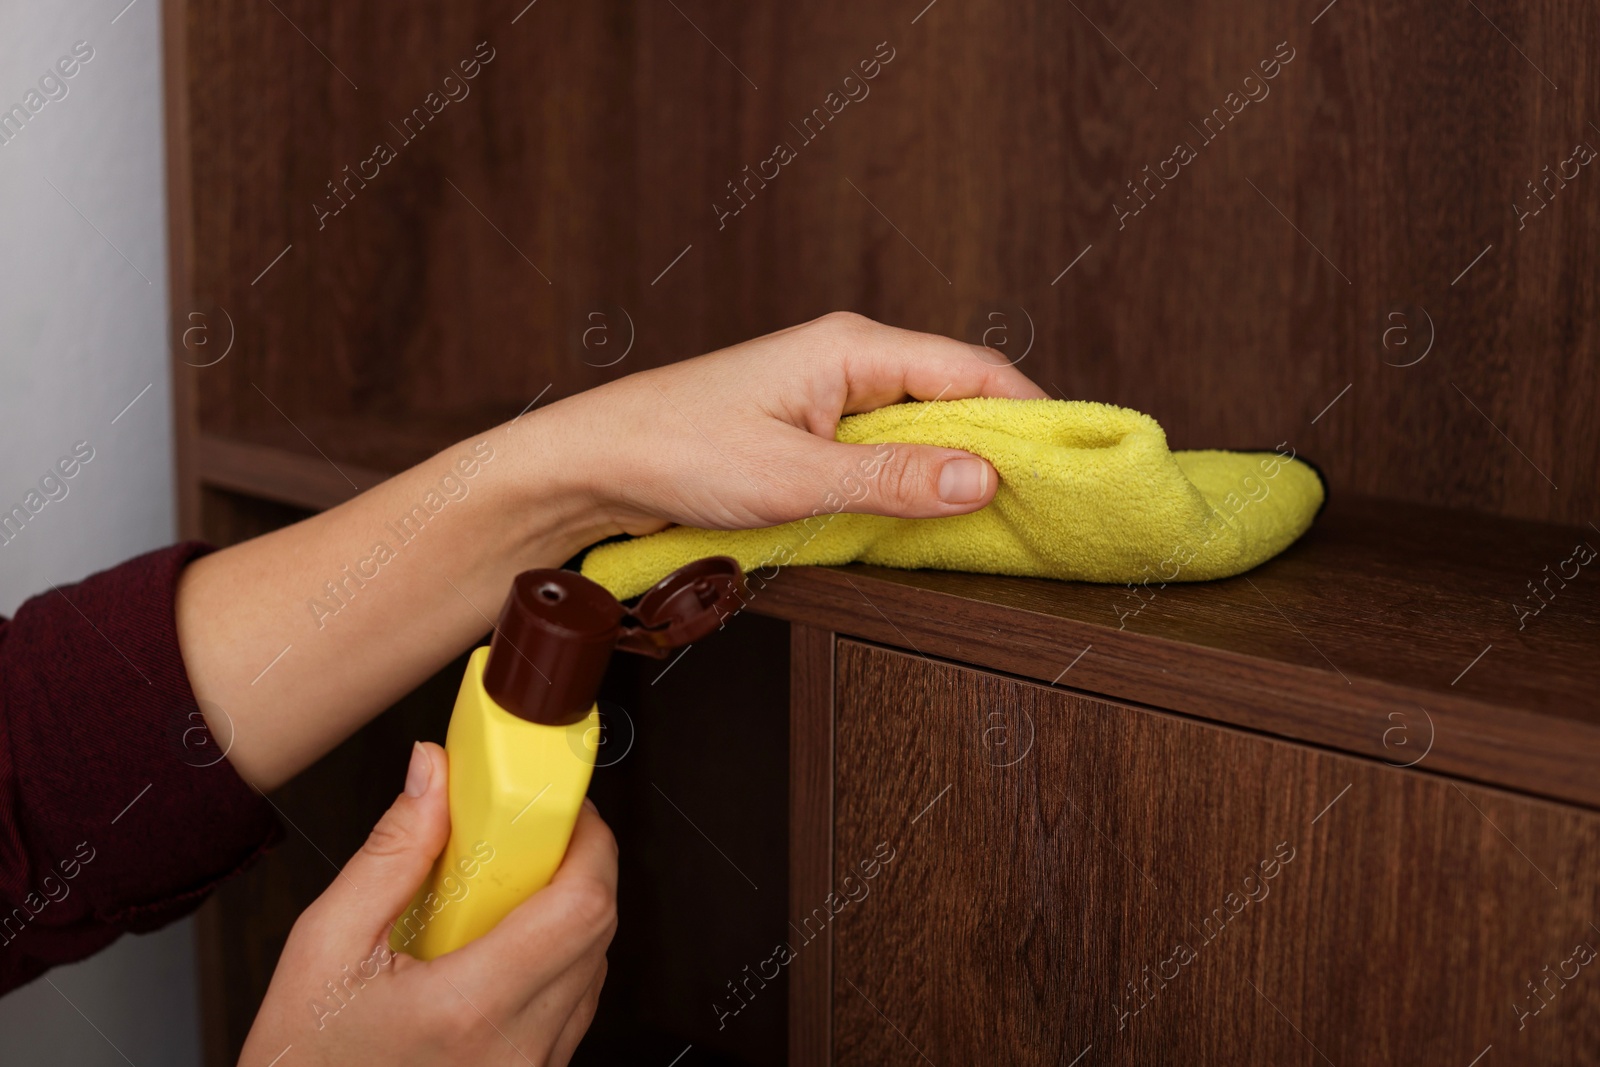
column 1088, row 492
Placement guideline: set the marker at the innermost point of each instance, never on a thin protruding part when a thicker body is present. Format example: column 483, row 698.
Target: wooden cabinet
column 1081, row 880
column 1340, row 809
column 1267, row 820
column 1356, row 262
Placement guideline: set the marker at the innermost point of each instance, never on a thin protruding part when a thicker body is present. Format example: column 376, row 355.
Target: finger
column 547, row 934
column 545, row 1019
column 592, row 853
column 885, row 365
column 578, row 1022
column 900, row 480
column 355, row 912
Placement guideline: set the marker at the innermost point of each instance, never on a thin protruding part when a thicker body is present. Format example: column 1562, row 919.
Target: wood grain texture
column 1373, row 635
column 180, row 258
column 1252, row 299
column 1051, row 851
column 279, row 474
column 811, row 690
column 699, row 805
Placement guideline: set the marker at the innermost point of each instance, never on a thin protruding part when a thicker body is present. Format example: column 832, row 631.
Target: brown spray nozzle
column 557, row 631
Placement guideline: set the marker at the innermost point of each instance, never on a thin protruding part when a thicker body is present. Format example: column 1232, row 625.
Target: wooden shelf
column 317, row 461
column 1387, row 631
column 281, row 474
column 465, row 283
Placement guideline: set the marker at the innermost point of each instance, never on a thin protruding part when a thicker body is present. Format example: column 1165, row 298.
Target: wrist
column 547, row 499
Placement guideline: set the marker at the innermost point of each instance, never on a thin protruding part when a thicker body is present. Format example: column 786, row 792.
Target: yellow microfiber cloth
column 1088, row 492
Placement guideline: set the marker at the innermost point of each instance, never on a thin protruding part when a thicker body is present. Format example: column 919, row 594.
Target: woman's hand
column 294, row 639
column 523, row 993
column 744, row 437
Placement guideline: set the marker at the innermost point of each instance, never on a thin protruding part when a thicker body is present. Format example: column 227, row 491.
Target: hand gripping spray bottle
column 525, row 731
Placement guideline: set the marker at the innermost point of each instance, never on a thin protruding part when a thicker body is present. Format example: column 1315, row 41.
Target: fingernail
column 420, row 772
column 963, row 480
column 590, row 805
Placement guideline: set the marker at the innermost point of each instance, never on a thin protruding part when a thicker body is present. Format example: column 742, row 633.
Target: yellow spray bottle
column 524, row 734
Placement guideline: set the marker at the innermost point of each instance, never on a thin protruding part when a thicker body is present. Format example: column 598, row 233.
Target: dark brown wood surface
column 181, row 272
column 1342, row 269
column 279, row 474
column 699, row 804
column 811, row 777
column 1051, row 851
column 1271, row 291
column 1387, row 631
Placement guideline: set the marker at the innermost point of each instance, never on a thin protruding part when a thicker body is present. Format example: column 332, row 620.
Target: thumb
column 904, row 481
column 384, row 874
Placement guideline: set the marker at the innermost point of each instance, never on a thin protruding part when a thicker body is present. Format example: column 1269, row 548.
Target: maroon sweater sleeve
column 118, row 810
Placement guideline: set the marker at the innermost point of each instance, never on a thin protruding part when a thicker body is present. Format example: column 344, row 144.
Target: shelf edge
column 280, row 475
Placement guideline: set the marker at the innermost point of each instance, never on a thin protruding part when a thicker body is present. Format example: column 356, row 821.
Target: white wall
column 82, row 332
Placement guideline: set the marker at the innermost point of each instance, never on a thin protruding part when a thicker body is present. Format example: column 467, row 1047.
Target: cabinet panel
column 1338, row 219
column 1028, row 875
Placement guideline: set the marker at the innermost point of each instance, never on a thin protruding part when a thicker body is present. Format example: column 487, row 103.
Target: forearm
column 294, row 640
column 736, row 439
